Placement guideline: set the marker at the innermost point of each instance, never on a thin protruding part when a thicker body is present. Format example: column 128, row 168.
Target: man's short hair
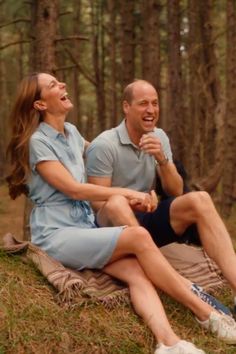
column 128, row 91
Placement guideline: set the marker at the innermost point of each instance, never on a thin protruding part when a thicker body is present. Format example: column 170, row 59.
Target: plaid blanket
column 80, row 286
column 71, row 285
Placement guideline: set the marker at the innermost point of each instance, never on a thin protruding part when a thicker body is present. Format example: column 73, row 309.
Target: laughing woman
column 46, row 155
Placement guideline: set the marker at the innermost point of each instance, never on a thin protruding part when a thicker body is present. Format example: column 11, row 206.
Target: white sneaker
column 181, row 347
column 223, row 326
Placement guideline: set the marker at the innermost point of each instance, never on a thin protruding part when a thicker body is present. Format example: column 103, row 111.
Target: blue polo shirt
column 112, row 154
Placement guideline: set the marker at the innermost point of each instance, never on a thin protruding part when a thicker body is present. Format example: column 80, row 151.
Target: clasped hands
column 145, row 202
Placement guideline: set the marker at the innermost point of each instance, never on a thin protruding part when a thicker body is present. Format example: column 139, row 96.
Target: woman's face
column 54, row 98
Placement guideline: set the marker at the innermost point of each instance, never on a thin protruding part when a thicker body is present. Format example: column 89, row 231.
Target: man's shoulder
column 106, row 138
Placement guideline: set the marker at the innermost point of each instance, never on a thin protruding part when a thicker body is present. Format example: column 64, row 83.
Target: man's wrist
column 163, row 162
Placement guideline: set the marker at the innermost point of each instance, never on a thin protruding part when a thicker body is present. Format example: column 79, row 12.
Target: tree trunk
column 206, row 103
column 127, row 41
column 113, row 66
column 44, row 25
column 76, row 113
column 150, row 43
column 44, row 21
column 229, row 174
column 175, row 111
column 98, row 63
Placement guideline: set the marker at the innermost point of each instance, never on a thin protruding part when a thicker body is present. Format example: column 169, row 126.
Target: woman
column 47, row 164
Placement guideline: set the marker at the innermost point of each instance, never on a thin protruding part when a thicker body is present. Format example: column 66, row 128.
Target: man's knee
column 198, row 202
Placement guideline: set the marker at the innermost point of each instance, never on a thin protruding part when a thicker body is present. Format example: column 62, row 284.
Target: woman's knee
column 139, row 238
column 116, row 203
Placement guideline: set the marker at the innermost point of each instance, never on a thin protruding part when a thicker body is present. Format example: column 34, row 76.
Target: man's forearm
column 171, row 181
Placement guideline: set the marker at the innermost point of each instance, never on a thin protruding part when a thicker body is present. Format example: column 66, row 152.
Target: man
column 129, row 156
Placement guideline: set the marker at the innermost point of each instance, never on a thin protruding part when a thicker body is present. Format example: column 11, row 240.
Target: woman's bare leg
column 144, row 298
column 116, row 212
column 137, row 241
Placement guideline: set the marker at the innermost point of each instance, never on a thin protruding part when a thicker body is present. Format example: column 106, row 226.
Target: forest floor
column 32, row 321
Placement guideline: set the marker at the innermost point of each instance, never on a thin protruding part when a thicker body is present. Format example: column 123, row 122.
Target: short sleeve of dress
column 40, row 150
column 99, row 158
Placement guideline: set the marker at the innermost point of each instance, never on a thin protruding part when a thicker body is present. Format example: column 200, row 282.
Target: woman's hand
column 144, row 202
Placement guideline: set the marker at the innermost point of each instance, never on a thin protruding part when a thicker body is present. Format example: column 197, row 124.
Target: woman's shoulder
column 71, row 128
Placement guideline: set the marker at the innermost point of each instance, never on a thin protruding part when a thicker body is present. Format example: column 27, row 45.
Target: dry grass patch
column 31, row 320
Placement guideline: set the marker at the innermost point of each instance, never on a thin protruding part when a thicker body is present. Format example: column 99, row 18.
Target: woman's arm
column 54, row 173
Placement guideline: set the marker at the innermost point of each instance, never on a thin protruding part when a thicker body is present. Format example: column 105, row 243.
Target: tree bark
column 76, row 113
column 44, row 21
column 44, row 27
column 175, row 111
column 229, row 174
column 127, row 41
column 150, row 43
column 111, row 4
column 206, row 100
column 98, row 63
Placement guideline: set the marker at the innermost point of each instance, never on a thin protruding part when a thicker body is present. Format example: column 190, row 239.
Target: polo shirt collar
column 49, row 131
column 124, row 135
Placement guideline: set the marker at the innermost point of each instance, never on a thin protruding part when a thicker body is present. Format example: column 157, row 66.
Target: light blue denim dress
column 63, row 227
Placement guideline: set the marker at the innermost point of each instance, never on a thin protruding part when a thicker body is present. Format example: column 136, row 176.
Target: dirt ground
column 11, row 214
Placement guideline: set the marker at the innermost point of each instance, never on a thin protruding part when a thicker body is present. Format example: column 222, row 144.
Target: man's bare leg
column 198, row 208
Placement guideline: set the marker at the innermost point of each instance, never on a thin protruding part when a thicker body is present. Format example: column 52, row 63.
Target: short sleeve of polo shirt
column 39, row 151
column 99, row 158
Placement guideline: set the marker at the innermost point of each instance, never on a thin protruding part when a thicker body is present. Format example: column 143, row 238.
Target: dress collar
column 49, row 131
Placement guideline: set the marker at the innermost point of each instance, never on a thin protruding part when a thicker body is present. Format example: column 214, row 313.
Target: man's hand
column 148, row 204
column 152, row 146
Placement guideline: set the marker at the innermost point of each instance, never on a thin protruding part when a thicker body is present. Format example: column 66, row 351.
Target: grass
column 32, row 321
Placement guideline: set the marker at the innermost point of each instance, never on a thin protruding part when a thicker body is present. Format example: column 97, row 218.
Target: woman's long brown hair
column 24, row 120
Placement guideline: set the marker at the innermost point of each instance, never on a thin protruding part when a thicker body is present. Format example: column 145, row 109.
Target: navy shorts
column 158, row 225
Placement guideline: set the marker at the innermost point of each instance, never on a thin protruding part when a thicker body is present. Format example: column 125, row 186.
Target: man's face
column 142, row 112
